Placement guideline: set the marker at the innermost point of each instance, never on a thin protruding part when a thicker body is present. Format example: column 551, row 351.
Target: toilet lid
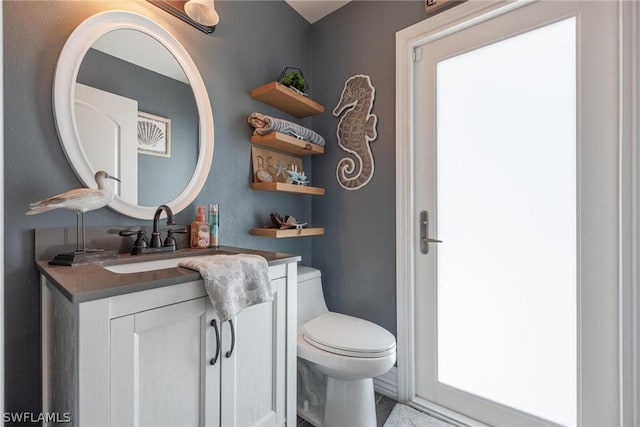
column 349, row 336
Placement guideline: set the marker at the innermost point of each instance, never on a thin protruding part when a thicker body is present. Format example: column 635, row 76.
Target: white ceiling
column 314, row 10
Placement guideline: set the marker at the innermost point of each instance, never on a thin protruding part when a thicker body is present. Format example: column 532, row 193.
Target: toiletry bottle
column 214, row 221
column 200, row 230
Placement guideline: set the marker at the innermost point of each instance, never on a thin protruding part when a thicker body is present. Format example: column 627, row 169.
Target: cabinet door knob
column 233, row 339
column 215, row 328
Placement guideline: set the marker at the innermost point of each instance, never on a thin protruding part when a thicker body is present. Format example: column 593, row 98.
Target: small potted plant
column 294, row 79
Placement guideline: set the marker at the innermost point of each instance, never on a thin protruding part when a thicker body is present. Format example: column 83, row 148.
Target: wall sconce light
column 203, row 12
column 198, row 13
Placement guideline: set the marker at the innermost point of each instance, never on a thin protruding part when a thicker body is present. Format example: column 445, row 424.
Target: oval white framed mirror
column 122, row 157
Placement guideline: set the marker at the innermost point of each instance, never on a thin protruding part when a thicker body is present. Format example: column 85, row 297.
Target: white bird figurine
column 79, row 200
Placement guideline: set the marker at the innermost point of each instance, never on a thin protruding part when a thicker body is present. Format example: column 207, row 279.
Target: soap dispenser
column 200, row 230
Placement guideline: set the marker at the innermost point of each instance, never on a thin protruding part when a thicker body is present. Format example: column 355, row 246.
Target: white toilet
column 338, row 356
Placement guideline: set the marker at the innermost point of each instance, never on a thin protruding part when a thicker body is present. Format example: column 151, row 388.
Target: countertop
column 89, row 282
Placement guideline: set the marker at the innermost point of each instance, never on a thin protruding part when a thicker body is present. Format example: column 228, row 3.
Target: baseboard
column 387, row 384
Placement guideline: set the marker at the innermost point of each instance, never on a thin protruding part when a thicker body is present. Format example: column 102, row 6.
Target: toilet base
column 349, row 403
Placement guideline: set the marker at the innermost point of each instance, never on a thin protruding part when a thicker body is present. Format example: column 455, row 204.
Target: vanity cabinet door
column 253, row 376
column 160, row 367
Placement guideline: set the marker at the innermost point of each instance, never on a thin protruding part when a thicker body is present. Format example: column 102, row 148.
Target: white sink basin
column 158, row 264
column 138, row 267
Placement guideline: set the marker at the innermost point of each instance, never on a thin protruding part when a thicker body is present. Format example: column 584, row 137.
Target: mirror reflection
column 136, row 117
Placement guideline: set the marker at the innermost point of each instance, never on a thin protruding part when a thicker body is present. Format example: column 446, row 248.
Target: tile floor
column 384, row 405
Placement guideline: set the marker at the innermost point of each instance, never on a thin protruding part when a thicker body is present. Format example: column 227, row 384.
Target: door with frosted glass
column 516, row 135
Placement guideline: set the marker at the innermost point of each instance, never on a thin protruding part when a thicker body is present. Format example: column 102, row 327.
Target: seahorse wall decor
column 356, row 130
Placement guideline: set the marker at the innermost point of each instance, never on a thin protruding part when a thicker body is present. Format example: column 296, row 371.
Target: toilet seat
column 348, row 336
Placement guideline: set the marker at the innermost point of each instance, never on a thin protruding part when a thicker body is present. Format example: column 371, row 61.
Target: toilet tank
column 311, row 302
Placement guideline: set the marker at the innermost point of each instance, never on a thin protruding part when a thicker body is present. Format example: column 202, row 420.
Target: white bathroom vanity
column 146, row 348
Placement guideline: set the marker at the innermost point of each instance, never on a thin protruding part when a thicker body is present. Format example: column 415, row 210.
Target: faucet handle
column 140, row 243
column 170, row 240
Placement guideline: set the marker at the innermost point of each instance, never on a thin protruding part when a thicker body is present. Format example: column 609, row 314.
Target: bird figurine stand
column 80, row 200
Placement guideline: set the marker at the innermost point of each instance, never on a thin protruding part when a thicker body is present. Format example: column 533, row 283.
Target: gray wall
column 251, row 45
column 159, row 178
column 357, row 253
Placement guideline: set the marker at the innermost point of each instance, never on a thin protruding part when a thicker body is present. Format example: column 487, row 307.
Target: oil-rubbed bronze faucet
column 156, row 242
column 155, row 245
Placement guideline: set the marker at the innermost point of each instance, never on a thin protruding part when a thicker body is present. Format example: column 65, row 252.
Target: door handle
column 215, row 328
column 424, row 233
column 233, row 340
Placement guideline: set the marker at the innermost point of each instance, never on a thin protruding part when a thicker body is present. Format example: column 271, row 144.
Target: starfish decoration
column 281, row 169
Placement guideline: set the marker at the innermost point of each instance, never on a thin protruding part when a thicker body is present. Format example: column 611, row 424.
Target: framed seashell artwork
column 154, row 135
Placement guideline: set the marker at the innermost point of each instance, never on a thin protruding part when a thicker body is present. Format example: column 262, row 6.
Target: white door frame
column 629, row 193
column 1, row 221
column 629, row 159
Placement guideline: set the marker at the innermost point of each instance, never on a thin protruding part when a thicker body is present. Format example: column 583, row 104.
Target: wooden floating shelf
column 287, row 188
column 279, row 234
column 281, row 142
column 281, row 97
